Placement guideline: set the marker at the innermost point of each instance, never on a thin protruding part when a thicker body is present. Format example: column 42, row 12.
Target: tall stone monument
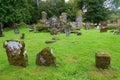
column 44, row 15
column 79, row 19
column 64, row 16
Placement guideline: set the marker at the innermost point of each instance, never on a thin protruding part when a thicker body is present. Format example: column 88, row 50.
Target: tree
column 12, row 11
column 96, row 11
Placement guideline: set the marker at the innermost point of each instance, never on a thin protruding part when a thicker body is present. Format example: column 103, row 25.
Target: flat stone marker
column 16, row 52
column 46, row 57
column 50, row 41
column 102, row 60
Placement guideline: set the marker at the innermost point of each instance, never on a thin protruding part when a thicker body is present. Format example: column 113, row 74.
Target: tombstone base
column 102, row 60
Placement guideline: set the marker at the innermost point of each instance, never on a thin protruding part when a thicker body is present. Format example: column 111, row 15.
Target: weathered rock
column 46, row 57
column 22, row 36
column 31, row 28
column 16, row 52
column 102, row 60
column 50, row 41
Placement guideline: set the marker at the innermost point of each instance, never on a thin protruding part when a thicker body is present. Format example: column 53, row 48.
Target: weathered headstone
column 54, row 21
column 64, row 16
column 79, row 19
column 16, row 31
column 46, row 57
column 31, row 28
column 102, row 60
column 22, row 36
column 67, row 28
column 44, row 15
column 1, row 30
column 73, row 24
column 16, row 52
column 87, row 26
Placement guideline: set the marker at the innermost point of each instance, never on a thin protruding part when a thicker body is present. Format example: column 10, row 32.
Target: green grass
column 75, row 56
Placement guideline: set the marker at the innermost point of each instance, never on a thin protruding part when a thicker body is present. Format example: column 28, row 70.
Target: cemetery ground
column 75, row 56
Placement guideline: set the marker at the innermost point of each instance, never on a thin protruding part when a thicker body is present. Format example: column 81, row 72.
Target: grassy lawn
column 75, row 56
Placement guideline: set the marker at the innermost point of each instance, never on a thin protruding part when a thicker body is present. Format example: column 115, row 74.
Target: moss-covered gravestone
column 102, row 60
column 46, row 57
column 16, row 52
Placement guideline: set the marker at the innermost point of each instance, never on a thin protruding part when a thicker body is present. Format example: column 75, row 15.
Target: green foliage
column 96, row 12
column 14, row 11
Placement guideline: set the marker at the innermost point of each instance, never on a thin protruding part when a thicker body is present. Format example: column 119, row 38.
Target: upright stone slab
column 102, row 60
column 44, row 15
column 16, row 52
column 1, row 30
column 87, row 26
column 16, row 31
column 31, row 28
column 79, row 19
column 46, row 57
column 22, row 36
column 64, row 16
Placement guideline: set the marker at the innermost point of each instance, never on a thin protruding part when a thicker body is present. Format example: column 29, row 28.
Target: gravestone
column 102, row 60
column 64, row 16
column 16, row 52
column 1, row 30
column 67, row 28
column 79, row 19
column 44, row 15
column 87, row 26
column 16, row 31
column 54, row 22
column 73, row 24
column 22, row 36
column 31, row 28
column 46, row 57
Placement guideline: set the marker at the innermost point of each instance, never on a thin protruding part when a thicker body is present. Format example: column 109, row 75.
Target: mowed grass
column 74, row 54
